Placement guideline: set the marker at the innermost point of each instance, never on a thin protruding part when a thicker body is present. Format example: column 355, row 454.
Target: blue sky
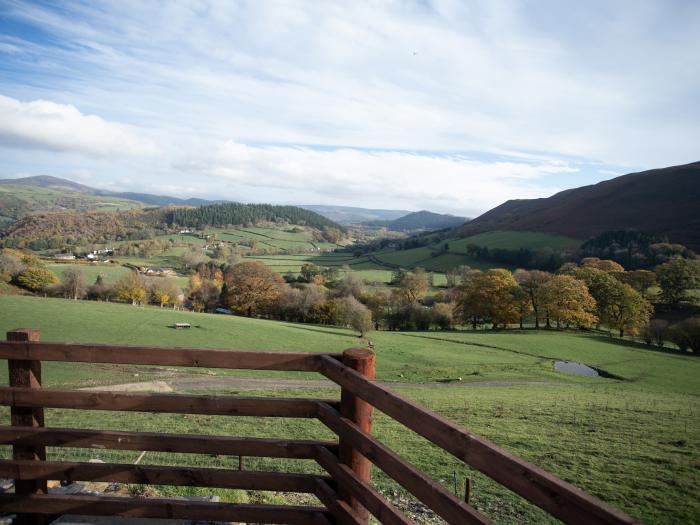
column 452, row 106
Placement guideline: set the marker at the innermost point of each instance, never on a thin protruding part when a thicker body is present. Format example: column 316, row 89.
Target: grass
column 633, row 442
column 514, row 240
column 109, row 272
column 437, row 257
column 36, row 199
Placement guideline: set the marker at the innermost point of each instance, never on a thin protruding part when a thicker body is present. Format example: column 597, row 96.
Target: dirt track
column 206, row 382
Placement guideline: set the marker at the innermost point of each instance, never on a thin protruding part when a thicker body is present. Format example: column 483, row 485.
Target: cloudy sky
column 452, row 106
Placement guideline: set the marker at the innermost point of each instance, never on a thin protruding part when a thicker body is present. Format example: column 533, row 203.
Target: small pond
column 571, row 367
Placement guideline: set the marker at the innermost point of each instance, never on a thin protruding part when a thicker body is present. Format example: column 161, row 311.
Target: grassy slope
column 40, row 200
column 110, row 273
column 635, row 443
column 430, row 258
column 515, row 240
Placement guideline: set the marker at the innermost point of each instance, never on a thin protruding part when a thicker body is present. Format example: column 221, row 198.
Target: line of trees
column 232, row 213
column 594, row 293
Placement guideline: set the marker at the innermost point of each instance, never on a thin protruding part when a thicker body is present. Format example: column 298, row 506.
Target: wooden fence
column 345, row 491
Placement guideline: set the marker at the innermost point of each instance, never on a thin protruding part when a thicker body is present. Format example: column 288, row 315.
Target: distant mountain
column 20, row 200
column 350, row 215
column 59, row 184
column 160, row 200
column 54, row 183
column 662, row 201
column 421, row 220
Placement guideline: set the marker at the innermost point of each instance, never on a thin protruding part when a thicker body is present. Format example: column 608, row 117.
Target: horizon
column 452, row 108
column 303, row 204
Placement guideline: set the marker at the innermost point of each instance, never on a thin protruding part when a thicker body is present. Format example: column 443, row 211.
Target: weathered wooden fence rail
column 346, row 492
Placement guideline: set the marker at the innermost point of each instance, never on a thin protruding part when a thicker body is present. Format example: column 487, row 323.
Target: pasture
column 445, row 255
column 109, row 272
column 633, row 441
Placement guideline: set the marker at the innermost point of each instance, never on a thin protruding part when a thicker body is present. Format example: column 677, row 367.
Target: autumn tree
column 605, row 265
column 676, row 277
column 443, row 315
column 626, row 310
column 193, row 257
column 11, row 265
column 131, row 287
column 36, row 278
column 531, row 283
column 568, row 301
column 163, row 292
column 357, row 316
column 471, row 307
column 251, row 288
column 640, row 280
column 491, row 295
column 351, row 285
column 309, row 271
column 73, row 284
column 204, row 294
column 377, row 302
column 601, row 285
column 414, row 285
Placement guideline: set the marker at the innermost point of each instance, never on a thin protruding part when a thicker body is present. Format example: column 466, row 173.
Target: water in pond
column 570, row 367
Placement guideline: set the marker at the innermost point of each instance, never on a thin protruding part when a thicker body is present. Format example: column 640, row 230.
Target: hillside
column 420, row 220
column 661, row 201
column 55, row 230
column 64, row 185
column 19, row 200
column 347, row 215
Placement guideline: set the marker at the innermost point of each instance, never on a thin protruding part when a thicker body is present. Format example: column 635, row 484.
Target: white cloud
column 42, row 124
column 608, row 82
column 447, row 183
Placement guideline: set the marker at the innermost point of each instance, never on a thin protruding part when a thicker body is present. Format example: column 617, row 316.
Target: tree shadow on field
column 641, row 346
column 323, row 331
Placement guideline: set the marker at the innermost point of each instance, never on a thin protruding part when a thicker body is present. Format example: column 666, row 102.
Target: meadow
column 448, row 254
column 109, row 272
column 632, row 441
column 36, row 199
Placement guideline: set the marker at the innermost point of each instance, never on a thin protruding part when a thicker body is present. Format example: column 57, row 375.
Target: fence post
column 359, row 412
column 27, row 374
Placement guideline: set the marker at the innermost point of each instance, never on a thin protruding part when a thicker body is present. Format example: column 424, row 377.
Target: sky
column 453, row 106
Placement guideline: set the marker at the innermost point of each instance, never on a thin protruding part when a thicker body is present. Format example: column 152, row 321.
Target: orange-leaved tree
column 252, row 288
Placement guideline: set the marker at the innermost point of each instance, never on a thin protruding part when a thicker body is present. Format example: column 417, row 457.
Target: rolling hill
column 662, row 201
column 420, row 220
column 347, row 215
column 64, row 185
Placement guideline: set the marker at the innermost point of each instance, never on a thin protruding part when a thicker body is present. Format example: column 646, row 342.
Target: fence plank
column 159, row 475
column 163, row 442
column 152, row 355
column 168, row 403
column 162, row 508
column 378, row 505
column 559, row 498
column 341, row 510
column 447, row 506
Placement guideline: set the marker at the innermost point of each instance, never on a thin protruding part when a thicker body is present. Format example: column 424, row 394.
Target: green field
column 109, row 272
column 445, row 255
column 35, row 199
column 514, row 240
column 634, row 441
